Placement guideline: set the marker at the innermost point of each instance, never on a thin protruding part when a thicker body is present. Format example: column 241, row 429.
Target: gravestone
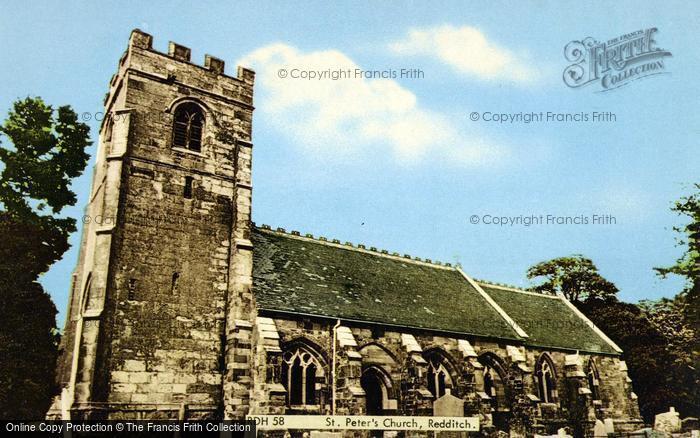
column 600, row 430
column 325, row 434
column 449, row 406
column 669, row 422
column 689, row 424
column 609, row 425
column 561, row 433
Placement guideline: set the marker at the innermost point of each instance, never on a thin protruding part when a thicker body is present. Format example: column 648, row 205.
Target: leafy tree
column 47, row 151
column 576, row 277
column 688, row 265
column 668, row 317
column 679, row 318
column 659, row 376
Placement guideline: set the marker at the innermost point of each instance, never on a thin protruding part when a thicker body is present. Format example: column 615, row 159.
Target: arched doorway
column 374, row 383
column 374, row 393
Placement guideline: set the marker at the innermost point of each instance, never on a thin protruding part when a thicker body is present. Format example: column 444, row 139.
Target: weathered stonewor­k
column 181, row 308
column 160, row 308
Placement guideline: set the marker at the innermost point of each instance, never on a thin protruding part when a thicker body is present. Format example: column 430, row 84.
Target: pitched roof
column 302, row 275
column 549, row 320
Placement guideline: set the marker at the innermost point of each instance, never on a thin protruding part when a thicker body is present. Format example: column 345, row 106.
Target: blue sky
column 397, row 163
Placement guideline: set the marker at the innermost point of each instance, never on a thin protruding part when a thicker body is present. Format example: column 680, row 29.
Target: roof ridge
column 358, row 248
column 512, row 288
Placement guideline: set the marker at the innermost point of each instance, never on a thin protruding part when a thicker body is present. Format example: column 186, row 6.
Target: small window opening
column 132, row 289
column 188, row 187
column 174, row 285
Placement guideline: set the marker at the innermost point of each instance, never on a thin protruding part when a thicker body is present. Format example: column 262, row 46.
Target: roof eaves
column 559, row 348
column 597, row 331
column 268, row 310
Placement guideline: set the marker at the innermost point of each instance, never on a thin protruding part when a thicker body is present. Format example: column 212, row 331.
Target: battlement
column 174, row 70
column 178, row 52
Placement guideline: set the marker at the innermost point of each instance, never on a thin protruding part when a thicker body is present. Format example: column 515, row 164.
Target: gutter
column 333, row 377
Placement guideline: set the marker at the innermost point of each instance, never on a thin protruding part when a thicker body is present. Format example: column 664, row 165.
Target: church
column 182, row 308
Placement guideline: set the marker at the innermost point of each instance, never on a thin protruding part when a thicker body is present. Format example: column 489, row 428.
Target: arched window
column 88, row 297
column 438, row 378
column 495, row 381
column 299, row 370
column 187, row 129
column 546, row 379
column 490, row 379
column 593, row 379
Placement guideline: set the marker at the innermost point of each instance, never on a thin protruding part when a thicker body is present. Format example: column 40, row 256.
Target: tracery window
column 188, row 125
column 299, row 369
column 546, row 379
column 496, row 387
column 438, row 378
column 593, row 380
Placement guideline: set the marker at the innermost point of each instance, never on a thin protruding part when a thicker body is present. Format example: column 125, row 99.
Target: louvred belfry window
column 187, row 130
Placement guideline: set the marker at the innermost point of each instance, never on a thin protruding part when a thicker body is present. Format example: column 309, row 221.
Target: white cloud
column 344, row 117
column 467, row 50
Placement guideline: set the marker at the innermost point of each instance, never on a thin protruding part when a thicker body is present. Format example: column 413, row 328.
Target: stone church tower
column 161, row 306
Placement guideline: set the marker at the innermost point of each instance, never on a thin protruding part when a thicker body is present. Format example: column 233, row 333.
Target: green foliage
column 28, row 348
column 47, row 150
column 688, row 265
column 668, row 318
column 576, row 277
column 657, row 363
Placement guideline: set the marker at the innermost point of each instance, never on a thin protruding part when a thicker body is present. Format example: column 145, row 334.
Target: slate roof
column 301, row 275
column 548, row 320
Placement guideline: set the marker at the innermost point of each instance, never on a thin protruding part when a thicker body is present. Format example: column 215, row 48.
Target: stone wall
column 162, row 295
column 401, row 355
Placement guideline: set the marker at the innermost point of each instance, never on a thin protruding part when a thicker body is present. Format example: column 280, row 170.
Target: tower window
column 188, row 187
column 174, row 284
column 187, row 130
column 132, row 289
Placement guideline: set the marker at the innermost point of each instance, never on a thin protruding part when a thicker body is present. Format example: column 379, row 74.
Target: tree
column 47, row 151
column 659, row 372
column 576, row 277
column 668, row 317
column 688, row 265
column 680, row 318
